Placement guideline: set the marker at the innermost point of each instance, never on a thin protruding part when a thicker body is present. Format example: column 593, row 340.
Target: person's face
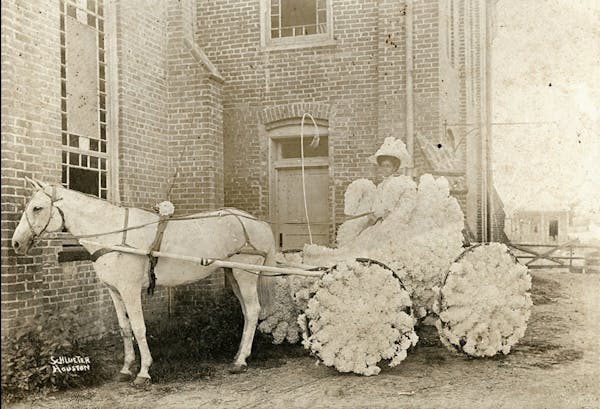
column 387, row 167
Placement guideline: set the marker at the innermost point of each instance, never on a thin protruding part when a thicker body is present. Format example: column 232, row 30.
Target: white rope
column 316, row 137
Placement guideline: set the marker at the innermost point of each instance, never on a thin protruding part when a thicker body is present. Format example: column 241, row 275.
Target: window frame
column 71, row 251
column 301, row 41
column 108, row 114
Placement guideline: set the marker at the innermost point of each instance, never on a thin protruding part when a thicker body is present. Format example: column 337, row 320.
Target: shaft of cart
column 210, row 261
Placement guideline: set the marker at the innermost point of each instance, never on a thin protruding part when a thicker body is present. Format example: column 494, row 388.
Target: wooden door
column 292, row 229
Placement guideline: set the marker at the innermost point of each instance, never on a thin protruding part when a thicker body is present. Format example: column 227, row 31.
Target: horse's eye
column 37, row 209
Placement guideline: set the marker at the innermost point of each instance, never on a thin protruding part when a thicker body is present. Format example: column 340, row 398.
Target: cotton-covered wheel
column 484, row 303
column 358, row 314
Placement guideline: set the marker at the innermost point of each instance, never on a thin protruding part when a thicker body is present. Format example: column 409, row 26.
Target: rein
column 185, row 218
column 178, row 218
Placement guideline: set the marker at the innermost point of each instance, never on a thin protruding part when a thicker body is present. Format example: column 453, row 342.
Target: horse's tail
column 266, row 286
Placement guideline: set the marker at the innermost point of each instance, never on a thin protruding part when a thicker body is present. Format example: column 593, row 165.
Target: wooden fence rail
column 534, row 256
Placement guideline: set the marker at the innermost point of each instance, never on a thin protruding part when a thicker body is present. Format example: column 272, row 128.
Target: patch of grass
column 190, row 346
column 31, row 359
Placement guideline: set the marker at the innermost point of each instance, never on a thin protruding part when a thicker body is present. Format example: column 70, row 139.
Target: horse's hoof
column 124, row 377
column 141, row 382
column 238, row 368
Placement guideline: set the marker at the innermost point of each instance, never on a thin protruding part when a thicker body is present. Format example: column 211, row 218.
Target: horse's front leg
column 133, row 303
column 247, row 294
column 126, row 333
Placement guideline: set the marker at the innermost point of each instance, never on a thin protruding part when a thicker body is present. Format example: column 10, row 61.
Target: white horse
column 226, row 234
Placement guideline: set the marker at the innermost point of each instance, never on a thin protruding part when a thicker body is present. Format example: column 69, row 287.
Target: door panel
column 293, row 231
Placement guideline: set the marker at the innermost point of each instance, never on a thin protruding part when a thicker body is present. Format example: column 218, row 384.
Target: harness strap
column 246, row 248
column 248, row 242
column 125, row 229
column 99, row 253
column 103, row 251
column 247, row 251
column 160, row 230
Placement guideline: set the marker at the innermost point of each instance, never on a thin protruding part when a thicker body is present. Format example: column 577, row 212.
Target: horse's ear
column 34, row 184
column 42, row 185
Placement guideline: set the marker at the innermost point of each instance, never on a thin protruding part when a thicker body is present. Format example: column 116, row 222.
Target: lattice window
column 291, row 18
column 296, row 23
column 85, row 156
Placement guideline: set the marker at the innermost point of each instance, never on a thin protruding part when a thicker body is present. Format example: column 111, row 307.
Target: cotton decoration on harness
column 165, row 209
column 484, row 304
column 357, row 316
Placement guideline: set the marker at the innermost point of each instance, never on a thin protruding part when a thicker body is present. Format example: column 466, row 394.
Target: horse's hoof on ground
column 141, row 382
column 124, row 377
column 238, row 369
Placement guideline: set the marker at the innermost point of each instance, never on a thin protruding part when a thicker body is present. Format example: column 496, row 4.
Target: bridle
column 53, row 199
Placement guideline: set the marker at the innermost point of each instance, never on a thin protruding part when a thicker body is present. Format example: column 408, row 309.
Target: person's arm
column 398, row 195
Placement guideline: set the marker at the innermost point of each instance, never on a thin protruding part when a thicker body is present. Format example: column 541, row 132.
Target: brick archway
column 295, row 110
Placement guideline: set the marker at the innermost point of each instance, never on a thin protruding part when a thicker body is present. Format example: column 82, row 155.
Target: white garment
column 395, row 194
column 392, row 194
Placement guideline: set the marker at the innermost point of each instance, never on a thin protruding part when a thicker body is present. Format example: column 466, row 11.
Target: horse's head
column 40, row 216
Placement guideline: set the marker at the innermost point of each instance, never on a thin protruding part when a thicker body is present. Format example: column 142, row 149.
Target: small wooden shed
column 540, row 221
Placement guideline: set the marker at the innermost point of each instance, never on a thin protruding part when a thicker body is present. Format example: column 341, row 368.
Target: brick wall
column 143, row 126
column 143, row 119
column 426, row 53
column 342, row 77
column 195, row 118
column 360, row 79
column 391, row 72
column 31, row 143
column 166, row 100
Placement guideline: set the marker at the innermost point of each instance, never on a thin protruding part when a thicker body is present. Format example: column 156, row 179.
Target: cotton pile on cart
column 413, row 269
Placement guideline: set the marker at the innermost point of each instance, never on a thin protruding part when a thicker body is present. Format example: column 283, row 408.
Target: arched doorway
column 287, row 199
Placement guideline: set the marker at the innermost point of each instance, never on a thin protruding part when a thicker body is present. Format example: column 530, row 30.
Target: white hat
column 395, row 148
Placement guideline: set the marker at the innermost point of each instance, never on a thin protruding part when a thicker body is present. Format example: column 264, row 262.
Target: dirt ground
column 556, row 365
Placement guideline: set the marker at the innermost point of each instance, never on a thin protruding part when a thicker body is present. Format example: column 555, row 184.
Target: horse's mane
column 98, row 198
column 81, row 193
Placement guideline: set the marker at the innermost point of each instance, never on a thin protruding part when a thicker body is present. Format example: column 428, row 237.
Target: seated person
column 371, row 203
